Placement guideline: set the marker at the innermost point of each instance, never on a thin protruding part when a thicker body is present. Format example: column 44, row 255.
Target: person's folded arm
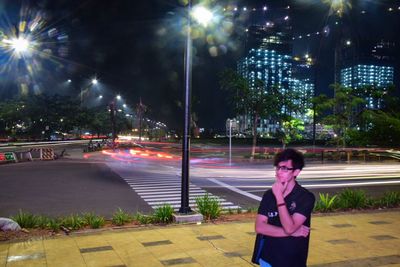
column 290, row 223
column 262, row 227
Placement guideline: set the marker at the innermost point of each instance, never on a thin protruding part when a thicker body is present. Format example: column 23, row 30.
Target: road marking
column 234, row 189
column 165, row 190
column 162, row 189
column 153, row 192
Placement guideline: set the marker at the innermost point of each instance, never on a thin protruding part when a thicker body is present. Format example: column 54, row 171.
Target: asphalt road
column 144, row 180
column 64, row 187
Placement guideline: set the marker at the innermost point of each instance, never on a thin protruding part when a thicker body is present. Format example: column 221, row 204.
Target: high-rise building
column 269, row 59
column 373, row 68
column 303, row 86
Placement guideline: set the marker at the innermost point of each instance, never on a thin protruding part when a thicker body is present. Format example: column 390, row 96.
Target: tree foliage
column 357, row 124
column 40, row 116
column 255, row 101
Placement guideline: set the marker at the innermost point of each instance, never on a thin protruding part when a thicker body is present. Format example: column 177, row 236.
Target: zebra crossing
column 159, row 190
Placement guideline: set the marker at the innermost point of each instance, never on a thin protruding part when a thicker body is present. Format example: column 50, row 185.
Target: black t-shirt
column 287, row 251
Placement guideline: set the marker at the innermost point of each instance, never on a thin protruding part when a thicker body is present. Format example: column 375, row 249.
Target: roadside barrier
column 24, row 156
column 8, row 157
column 47, row 154
column 36, row 153
column 42, row 153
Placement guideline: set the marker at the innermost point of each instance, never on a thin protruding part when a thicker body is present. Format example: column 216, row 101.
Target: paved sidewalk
column 365, row 239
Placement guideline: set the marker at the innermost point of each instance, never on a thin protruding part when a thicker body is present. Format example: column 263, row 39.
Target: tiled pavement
column 367, row 239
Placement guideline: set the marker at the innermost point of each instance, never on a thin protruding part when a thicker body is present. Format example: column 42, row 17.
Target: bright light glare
column 94, row 81
column 202, row 15
column 118, row 97
column 20, row 45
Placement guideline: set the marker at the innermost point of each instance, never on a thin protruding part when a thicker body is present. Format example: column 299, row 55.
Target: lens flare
column 338, row 7
column 31, row 52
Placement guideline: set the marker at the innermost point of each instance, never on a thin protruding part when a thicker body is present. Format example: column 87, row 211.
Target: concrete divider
column 36, row 153
column 24, row 156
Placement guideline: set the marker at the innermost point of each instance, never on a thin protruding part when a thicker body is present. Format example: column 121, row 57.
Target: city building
column 303, row 86
column 268, row 58
column 372, row 68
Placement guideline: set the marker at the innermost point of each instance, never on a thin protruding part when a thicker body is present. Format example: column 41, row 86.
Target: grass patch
column 325, row 203
column 390, row 200
column 25, row 219
column 73, row 222
column 352, row 199
column 121, row 217
column 163, row 214
column 143, row 219
column 93, row 220
column 209, row 207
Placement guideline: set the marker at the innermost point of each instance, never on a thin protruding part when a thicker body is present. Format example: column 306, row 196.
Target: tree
column 384, row 128
column 256, row 101
column 344, row 111
column 12, row 116
column 291, row 129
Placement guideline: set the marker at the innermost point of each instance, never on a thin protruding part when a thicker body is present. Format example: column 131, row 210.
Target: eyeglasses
column 283, row 168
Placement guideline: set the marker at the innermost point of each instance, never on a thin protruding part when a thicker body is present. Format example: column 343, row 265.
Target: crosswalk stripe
column 160, row 190
column 172, row 197
column 177, row 192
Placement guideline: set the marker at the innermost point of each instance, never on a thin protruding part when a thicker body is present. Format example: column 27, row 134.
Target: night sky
column 135, row 48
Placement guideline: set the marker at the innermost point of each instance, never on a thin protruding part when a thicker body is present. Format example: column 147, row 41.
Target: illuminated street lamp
column 20, row 45
column 203, row 16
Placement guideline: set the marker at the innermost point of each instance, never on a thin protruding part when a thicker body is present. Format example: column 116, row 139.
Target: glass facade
column 377, row 76
column 365, row 75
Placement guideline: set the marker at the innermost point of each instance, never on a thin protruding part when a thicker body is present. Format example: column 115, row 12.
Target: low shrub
column 208, row 206
column 42, row 221
column 325, row 203
column 143, row 219
column 390, row 199
column 25, row 219
column 94, row 221
column 163, row 214
column 120, row 217
column 54, row 224
column 352, row 199
column 73, row 222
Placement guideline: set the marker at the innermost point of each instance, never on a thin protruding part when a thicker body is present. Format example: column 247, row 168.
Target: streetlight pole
column 186, row 134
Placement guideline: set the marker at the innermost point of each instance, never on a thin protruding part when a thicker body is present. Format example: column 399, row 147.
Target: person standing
column 284, row 216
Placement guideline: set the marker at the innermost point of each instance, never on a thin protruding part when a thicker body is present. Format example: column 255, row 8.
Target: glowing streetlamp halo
column 94, row 81
column 338, row 6
column 202, row 15
column 19, row 45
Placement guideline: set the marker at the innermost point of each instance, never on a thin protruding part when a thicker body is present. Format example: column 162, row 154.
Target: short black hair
column 290, row 154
